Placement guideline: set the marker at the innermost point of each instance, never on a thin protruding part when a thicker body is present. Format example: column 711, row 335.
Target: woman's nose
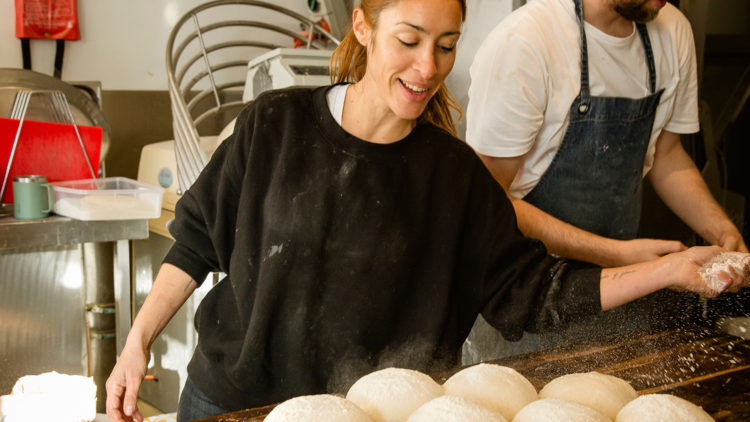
column 426, row 64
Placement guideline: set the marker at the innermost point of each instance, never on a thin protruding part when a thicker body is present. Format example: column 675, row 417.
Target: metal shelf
column 56, row 231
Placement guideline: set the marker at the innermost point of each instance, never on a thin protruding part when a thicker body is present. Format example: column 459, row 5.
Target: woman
column 358, row 233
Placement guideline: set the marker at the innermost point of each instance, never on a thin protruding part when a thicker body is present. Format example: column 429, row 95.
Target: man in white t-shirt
column 572, row 103
column 582, row 199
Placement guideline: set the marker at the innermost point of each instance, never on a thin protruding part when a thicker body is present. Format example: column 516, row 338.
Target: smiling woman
column 403, row 51
column 357, row 233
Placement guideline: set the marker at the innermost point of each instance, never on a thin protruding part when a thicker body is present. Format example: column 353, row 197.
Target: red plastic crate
column 47, row 149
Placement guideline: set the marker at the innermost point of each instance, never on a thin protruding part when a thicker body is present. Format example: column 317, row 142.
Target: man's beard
column 635, row 10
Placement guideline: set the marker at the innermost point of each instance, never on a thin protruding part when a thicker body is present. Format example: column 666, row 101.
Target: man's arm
column 569, row 241
column 680, row 185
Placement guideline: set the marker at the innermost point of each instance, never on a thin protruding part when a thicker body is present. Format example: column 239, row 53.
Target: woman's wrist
column 623, row 284
column 668, row 271
column 139, row 339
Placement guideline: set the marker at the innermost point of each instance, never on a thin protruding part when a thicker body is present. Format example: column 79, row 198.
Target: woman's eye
column 408, row 44
column 447, row 49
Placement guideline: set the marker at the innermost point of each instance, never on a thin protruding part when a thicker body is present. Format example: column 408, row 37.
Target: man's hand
column 731, row 240
column 630, row 252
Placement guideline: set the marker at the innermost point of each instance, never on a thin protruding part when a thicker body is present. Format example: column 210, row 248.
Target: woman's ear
column 360, row 27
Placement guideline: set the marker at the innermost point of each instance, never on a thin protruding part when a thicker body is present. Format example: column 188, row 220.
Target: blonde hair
column 349, row 64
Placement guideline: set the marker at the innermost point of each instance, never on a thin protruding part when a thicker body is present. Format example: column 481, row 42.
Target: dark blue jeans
column 195, row 405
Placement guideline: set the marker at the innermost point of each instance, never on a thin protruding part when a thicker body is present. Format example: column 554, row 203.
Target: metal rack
column 191, row 159
column 60, row 112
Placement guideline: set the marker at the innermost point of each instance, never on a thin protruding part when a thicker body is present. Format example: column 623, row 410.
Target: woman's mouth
column 413, row 92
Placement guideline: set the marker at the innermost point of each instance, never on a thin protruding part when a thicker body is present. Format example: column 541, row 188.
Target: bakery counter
column 21, row 237
column 65, row 296
column 706, row 367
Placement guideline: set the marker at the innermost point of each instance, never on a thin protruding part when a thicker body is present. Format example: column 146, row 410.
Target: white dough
column 50, row 397
column 721, row 264
column 393, row 394
column 454, row 409
column 321, row 408
column 662, row 408
column 604, row 393
column 556, row 410
column 495, row 387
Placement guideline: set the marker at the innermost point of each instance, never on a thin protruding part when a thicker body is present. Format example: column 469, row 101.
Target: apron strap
column 585, row 95
column 643, row 31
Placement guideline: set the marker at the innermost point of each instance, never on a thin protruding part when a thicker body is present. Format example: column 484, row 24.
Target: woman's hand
column 124, row 382
column 685, row 274
column 678, row 271
column 171, row 289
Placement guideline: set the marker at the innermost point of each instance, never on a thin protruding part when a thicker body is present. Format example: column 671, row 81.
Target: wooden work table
column 706, row 367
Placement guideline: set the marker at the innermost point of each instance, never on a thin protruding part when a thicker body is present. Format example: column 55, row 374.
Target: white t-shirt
column 527, row 74
column 336, row 97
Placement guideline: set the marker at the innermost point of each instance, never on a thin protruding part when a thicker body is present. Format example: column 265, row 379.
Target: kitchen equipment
column 32, row 197
column 51, row 325
column 47, row 148
column 85, row 110
column 190, row 156
column 158, row 167
column 284, row 68
column 113, row 198
column 66, row 298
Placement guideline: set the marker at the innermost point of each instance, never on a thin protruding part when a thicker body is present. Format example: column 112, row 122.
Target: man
column 572, row 103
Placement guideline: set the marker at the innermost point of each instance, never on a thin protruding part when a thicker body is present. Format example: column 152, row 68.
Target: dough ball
column 556, row 410
column 604, row 393
column 454, row 409
column 393, row 394
column 721, row 264
column 495, row 387
column 662, row 408
column 322, row 408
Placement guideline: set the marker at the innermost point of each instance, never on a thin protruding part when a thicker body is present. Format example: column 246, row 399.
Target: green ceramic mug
column 32, row 197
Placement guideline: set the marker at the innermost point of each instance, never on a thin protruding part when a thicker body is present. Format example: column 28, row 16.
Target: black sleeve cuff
column 188, row 261
column 572, row 296
column 581, row 294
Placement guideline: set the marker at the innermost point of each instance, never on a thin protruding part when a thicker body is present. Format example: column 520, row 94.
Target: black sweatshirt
column 345, row 256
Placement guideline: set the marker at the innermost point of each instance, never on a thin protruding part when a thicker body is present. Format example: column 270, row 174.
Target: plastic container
column 113, row 198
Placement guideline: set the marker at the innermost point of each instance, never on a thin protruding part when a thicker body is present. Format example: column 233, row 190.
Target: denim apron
column 594, row 182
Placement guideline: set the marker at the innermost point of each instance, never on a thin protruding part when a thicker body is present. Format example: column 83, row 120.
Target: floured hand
column 692, row 263
column 732, row 265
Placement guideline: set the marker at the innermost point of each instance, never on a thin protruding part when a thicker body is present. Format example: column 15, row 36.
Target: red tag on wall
column 47, row 19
